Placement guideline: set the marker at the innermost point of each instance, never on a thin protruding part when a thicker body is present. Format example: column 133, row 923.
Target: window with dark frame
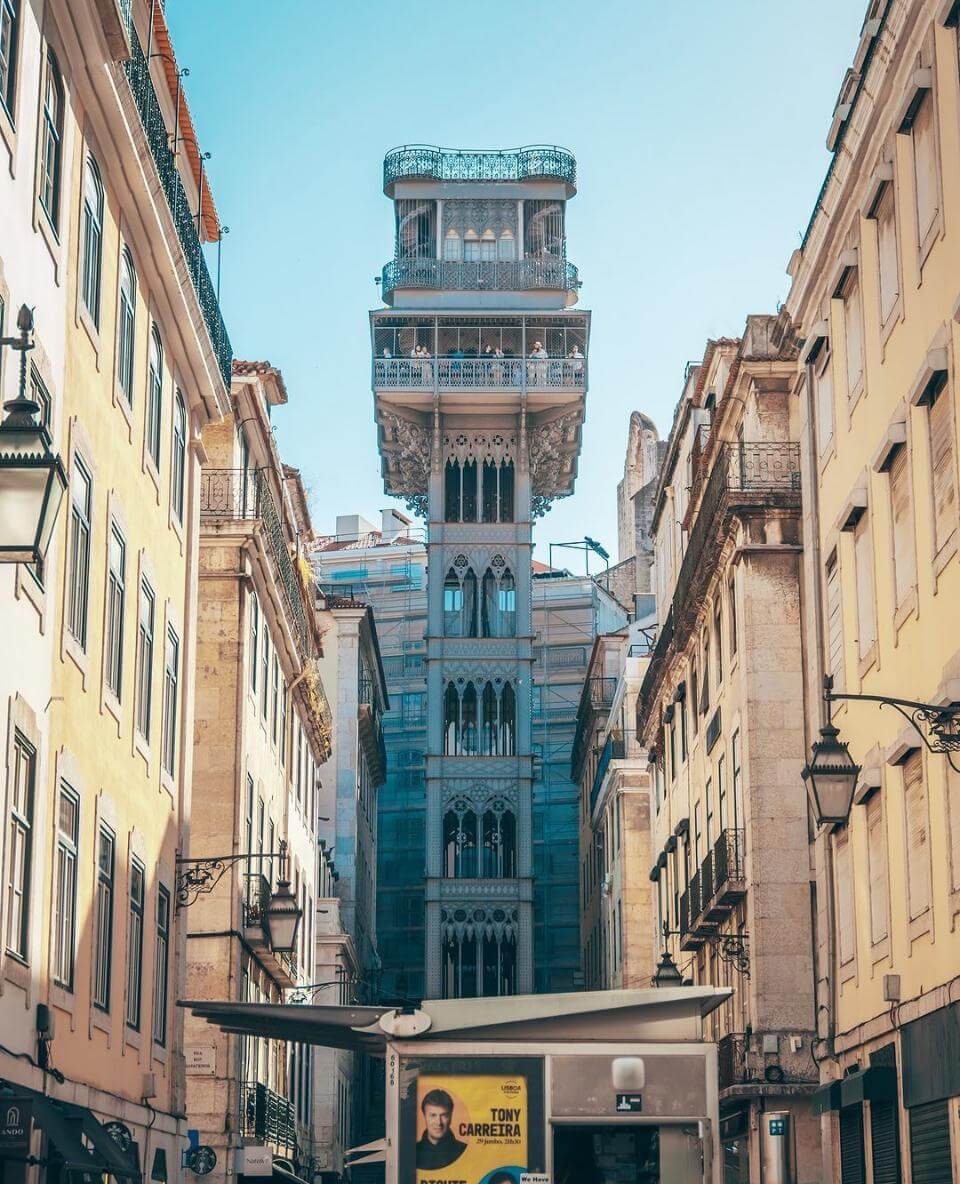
column 161, row 967
column 9, row 47
column 65, row 887
column 19, row 854
column 135, row 945
column 116, row 585
column 103, row 919
column 78, row 580
column 51, row 150
column 91, row 262
column 126, row 325
column 171, row 705
column 144, row 678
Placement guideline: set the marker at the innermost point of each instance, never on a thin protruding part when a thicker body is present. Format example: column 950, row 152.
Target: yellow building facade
column 97, row 787
column 874, row 298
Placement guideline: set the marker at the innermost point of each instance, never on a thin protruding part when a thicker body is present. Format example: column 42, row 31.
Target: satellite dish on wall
column 404, row 1024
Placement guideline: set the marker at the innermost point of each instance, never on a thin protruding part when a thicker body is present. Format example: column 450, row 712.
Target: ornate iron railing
column 613, row 750
column 728, row 858
column 245, row 493
column 732, row 1060
column 256, row 899
column 695, row 893
column 228, row 493
column 455, row 275
column 267, row 1117
column 480, row 373
column 414, row 161
column 137, row 73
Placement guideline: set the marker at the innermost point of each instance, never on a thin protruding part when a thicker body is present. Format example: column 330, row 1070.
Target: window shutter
column 918, row 839
column 953, row 820
column 853, row 323
column 834, row 623
column 925, row 166
column 852, row 1164
column 904, row 552
column 866, row 606
column 824, row 388
column 887, row 251
column 942, row 463
column 877, row 853
column 845, row 907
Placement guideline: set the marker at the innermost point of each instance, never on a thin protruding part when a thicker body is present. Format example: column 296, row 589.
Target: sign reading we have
column 471, row 1129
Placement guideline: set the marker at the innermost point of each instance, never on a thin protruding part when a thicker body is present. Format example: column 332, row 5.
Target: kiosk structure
column 596, row 1087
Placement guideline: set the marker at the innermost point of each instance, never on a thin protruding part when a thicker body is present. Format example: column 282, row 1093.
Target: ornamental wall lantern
column 32, row 477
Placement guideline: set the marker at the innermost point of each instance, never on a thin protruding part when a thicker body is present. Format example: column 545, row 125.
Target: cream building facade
column 263, row 729
column 874, row 296
column 132, row 360
column 718, row 711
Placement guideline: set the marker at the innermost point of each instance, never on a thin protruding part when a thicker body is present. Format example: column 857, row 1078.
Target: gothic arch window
column 498, row 614
column 499, row 842
column 460, row 967
column 479, row 721
column 497, row 483
column 460, row 847
column 471, row 246
column 460, row 603
column 460, row 491
column 499, row 968
column 479, row 952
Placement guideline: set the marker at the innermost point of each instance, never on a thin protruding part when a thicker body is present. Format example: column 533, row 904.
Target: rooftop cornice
column 533, row 162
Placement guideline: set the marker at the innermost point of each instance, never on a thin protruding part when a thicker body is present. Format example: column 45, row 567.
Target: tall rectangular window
column 161, row 972
column 248, row 820
column 144, row 688
column 65, row 887
column 738, row 819
column 846, row 910
column 732, row 614
column 901, row 515
column 103, row 920
column 943, row 464
column 254, row 640
column 275, row 709
column 171, row 705
column 20, row 846
column 283, row 723
column 926, row 187
column 918, row 837
column 116, row 585
column 853, row 329
column 866, row 602
column 718, row 636
column 823, row 398
column 877, row 856
column 78, row 578
column 834, row 614
column 264, row 671
column 9, row 44
column 888, row 265
column 135, row 945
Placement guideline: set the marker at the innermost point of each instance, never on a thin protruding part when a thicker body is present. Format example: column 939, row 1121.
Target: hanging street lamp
column 32, row 477
column 667, row 974
column 831, row 778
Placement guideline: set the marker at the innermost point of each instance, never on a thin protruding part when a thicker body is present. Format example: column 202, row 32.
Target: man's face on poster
column 437, row 1119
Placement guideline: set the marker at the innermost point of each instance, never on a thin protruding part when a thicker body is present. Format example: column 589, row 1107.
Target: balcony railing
column 729, row 877
column 613, row 750
column 479, row 374
column 267, row 1117
column 493, row 275
column 245, row 493
column 732, row 1060
column 184, row 219
column 256, row 901
column 424, row 161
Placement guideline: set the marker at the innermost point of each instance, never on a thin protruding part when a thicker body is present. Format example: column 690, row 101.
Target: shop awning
column 826, row 1098
column 66, row 1127
column 659, row 1014
column 283, row 1175
column 876, row 1084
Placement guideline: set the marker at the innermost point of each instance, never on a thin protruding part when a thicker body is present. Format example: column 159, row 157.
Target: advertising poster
column 471, row 1129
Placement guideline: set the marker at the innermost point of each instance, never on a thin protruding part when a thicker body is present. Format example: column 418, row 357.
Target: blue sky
column 699, row 133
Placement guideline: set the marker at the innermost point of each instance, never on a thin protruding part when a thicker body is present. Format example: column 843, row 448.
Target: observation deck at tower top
column 426, row 162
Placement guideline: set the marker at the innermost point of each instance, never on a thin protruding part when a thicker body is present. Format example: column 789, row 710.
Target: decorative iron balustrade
column 479, row 373
column 256, row 900
column 267, row 1117
column 732, row 1060
column 613, row 750
column 495, row 275
column 245, row 493
column 728, row 863
column 419, row 161
column 695, row 892
column 228, row 493
column 137, row 73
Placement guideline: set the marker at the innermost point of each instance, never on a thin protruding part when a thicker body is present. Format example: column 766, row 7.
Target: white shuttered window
column 853, row 324
column 918, row 836
column 846, row 915
column 866, row 603
column 943, row 465
column 877, row 855
column 834, row 623
column 824, row 400
column 925, row 168
column 901, row 515
column 885, row 213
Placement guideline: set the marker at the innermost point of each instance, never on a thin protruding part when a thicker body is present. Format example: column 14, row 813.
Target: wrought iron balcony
column 729, row 877
column 414, row 162
column 245, row 494
column 732, row 1060
column 137, row 73
column 480, row 374
column 692, row 934
column 268, row 1118
column 256, row 901
column 493, row 275
column 613, row 750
